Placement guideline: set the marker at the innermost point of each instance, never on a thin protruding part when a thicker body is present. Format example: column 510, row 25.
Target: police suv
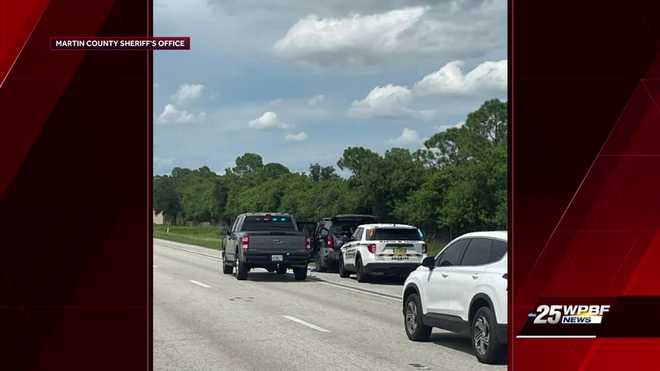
column 383, row 249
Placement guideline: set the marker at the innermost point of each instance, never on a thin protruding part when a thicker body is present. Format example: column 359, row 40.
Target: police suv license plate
column 277, row 258
column 399, row 251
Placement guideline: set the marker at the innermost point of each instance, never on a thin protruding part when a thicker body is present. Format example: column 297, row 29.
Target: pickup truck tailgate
column 276, row 242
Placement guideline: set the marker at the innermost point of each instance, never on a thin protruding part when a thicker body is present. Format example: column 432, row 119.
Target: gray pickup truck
column 265, row 240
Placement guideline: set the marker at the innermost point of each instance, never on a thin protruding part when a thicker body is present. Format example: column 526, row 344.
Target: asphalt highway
column 205, row 320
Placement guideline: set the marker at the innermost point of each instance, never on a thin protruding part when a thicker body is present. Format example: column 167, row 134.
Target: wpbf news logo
column 569, row 314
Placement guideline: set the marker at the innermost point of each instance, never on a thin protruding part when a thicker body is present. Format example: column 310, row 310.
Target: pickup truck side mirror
column 429, row 262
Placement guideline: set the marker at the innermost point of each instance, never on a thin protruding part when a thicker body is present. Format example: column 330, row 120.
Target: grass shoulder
column 206, row 236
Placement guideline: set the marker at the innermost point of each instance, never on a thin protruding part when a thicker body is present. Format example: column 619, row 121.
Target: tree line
column 455, row 184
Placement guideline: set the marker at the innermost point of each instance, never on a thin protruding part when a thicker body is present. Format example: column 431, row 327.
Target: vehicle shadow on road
column 263, row 276
column 383, row 280
column 458, row 342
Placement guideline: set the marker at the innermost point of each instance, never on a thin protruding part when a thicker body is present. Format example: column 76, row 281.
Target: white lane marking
column 199, row 283
column 556, row 336
column 310, row 325
column 382, row 296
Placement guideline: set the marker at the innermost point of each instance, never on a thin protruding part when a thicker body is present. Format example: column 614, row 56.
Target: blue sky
column 300, row 81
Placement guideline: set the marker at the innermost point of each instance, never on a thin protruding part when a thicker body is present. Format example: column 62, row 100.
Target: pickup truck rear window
column 268, row 223
column 394, row 234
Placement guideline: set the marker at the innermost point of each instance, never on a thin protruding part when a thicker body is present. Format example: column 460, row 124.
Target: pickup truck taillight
column 308, row 244
column 371, row 247
column 330, row 242
column 245, row 242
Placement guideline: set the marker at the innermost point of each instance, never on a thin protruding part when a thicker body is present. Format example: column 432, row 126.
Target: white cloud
column 268, row 120
column 177, row 110
column 316, row 100
column 187, row 93
column 442, row 30
column 298, row 137
column 488, row 77
column 407, row 137
column 171, row 114
column 460, row 31
column 401, row 102
column 389, row 101
column 353, row 39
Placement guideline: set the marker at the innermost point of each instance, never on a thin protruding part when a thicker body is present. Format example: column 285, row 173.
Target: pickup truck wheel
column 343, row 273
column 487, row 347
column 361, row 275
column 241, row 271
column 320, row 263
column 300, row 273
column 281, row 270
column 412, row 319
column 226, row 268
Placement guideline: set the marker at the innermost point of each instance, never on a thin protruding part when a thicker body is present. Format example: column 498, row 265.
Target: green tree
column 273, row 171
column 318, row 172
column 166, row 197
column 315, row 172
column 404, row 174
column 456, row 183
column 248, row 163
column 368, row 180
column 475, row 155
column 489, row 122
column 199, row 194
column 328, row 173
column 484, row 128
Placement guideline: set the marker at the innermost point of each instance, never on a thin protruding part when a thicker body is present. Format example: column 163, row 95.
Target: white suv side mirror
column 429, row 262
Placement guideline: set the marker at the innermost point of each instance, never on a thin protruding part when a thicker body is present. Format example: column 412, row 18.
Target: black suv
column 332, row 233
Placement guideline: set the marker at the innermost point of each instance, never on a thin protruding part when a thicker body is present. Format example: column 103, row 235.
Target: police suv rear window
column 394, row 234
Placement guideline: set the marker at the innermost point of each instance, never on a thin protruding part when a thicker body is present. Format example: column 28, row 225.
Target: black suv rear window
column 344, row 228
column 268, row 223
column 394, row 234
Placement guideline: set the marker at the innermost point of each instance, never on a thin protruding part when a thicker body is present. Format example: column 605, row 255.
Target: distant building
column 158, row 217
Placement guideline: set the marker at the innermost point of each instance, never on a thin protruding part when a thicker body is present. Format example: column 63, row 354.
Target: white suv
column 382, row 248
column 463, row 289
